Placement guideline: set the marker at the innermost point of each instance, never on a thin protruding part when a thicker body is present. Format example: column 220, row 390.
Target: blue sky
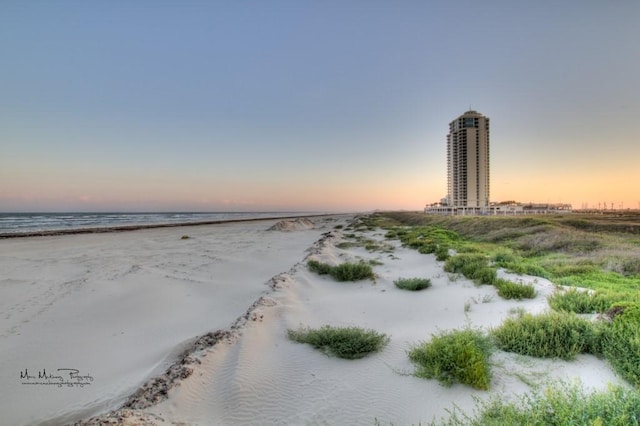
column 312, row 105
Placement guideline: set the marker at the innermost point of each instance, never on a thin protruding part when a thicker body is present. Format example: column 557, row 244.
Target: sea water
column 16, row 223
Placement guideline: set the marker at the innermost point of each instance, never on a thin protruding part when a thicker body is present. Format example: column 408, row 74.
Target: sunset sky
column 337, row 105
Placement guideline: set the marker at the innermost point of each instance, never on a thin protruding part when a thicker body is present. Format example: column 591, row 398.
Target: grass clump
column 343, row 342
column 559, row 404
column 620, row 341
column 459, row 356
column 584, row 302
column 319, row 267
column 473, row 266
column 344, row 271
column 413, row 284
column 553, row 335
column 511, row 290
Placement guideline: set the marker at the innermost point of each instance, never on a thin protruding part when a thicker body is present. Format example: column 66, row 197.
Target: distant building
column 468, row 161
column 468, row 174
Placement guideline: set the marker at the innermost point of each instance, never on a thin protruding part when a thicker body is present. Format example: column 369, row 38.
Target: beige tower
column 468, row 161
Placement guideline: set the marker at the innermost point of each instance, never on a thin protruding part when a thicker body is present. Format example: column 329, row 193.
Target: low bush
column 345, row 342
column 344, row 271
column 620, row 341
column 553, row 335
column 413, row 284
column 473, row 266
column 352, row 272
column 319, row 268
column 442, row 253
column 459, row 356
column 511, row 290
column 583, row 302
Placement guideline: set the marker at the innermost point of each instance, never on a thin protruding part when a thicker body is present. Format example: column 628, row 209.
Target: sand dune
column 263, row 378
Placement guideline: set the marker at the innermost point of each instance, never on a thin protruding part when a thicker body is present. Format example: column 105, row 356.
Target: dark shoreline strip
column 125, row 228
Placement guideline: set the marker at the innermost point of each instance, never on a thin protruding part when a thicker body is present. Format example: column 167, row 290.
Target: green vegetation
column 599, row 252
column 596, row 252
column 553, row 335
column 620, row 341
column 185, row 237
column 564, row 335
column 584, row 302
column 344, row 271
column 510, row 290
column 459, row 356
column 368, row 243
column 413, row 284
column 561, row 404
column 473, row 266
column 347, row 342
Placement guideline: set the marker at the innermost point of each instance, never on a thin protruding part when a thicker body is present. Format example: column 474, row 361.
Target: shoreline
column 127, row 228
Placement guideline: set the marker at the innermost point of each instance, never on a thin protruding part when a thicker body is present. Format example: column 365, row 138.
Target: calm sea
column 16, row 223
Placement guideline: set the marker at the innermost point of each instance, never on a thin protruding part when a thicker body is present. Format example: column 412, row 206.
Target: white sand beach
column 124, row 307
column 120, row 307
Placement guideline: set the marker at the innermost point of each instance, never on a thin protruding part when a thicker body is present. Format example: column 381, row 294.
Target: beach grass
column 412, row 284
column 342, row 342
column 344, row 271
column 510, row 290
column 552, row 335
column 559, row 404
column 458, row 356
column 473, row 266
column 584, row 302
column 619, row 340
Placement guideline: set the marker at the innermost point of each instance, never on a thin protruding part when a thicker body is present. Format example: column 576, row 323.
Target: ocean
column 29, row 223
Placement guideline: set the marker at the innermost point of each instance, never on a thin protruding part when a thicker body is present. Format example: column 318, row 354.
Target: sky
column 327, row 105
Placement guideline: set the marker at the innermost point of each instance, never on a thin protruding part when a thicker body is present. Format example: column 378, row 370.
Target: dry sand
column 121, row 307
column 125, row 306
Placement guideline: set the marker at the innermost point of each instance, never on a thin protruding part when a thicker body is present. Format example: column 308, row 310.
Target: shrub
column 319, row 268
column 620, row 341
column 345, row 342
column 457, row 356
column 582, row 302
column 552, row 335
column 344, row 271
column 413, row 284
column 510, row 290
column 352, row 272
column 442, row 253
column 484, row 275
column 473, row 266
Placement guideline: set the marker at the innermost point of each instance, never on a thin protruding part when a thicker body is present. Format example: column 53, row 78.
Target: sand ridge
column 263, row 378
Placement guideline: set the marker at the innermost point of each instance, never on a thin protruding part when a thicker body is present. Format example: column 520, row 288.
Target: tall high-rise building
column 468, row 161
